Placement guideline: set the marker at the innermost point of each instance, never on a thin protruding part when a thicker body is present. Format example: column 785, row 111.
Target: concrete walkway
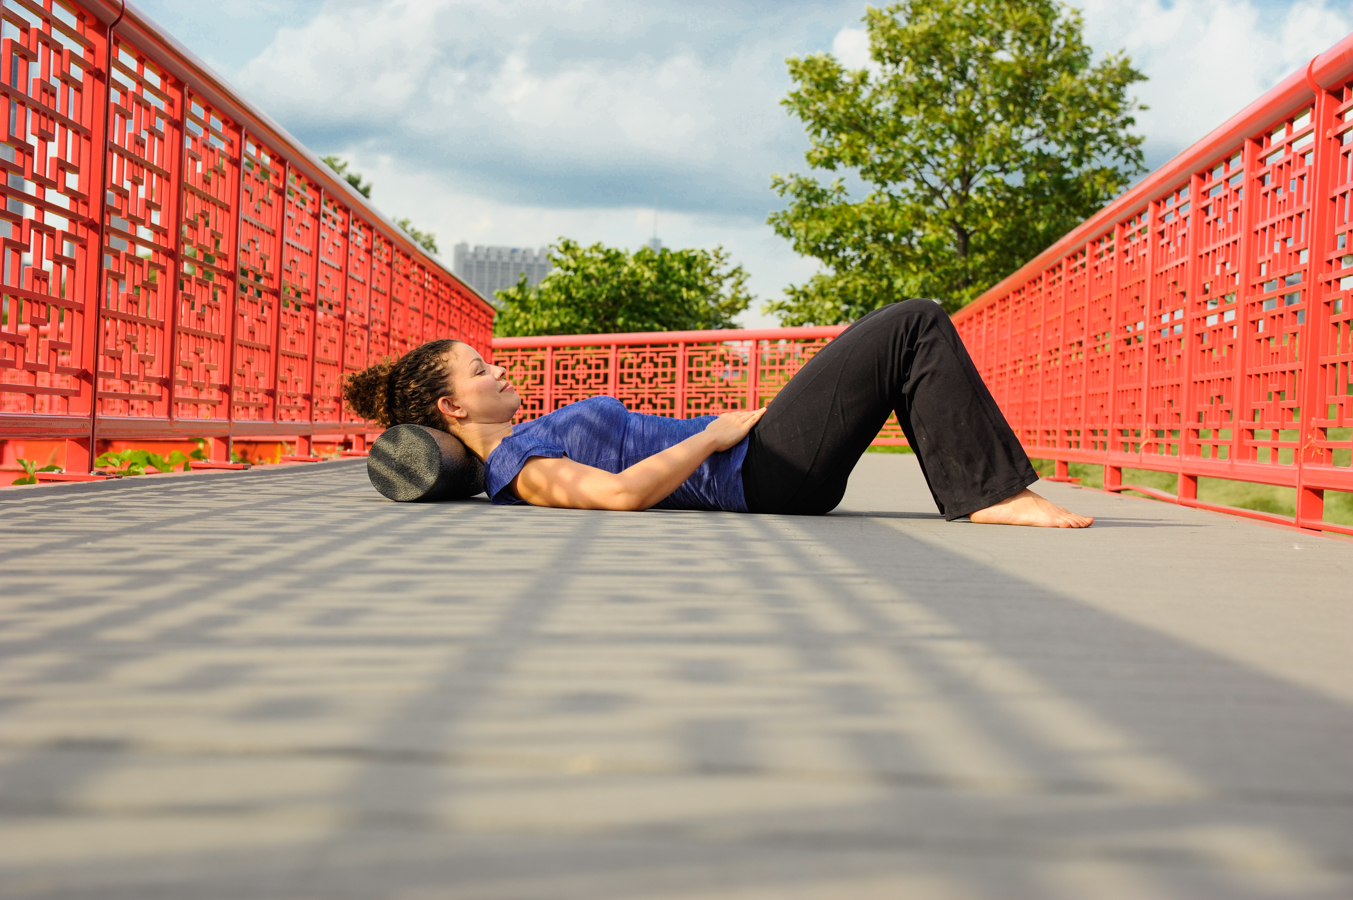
column 276, row 684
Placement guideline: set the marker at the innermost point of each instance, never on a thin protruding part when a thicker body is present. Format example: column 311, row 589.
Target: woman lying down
column 793, row 457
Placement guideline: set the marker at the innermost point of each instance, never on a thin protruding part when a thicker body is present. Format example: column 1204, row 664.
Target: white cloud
column 1208, row 59
column 851, row 48
column 517, row 121
column 513, row 98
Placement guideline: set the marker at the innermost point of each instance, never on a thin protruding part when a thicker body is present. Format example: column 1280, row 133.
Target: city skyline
column 489, row 269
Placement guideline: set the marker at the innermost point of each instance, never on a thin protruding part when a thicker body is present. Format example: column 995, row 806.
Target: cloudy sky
column 518, row 121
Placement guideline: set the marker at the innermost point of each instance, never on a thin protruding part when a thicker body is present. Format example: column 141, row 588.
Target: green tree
column 605, row 290
column 353, row 178
column 981, row 134
column 425, row 239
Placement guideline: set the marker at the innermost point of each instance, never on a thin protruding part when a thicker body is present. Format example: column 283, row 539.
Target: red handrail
column 1200, row 324
column 174, row 263
column 634, row 338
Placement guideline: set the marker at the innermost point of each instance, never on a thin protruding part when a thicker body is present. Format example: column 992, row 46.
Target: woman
column 793, row 457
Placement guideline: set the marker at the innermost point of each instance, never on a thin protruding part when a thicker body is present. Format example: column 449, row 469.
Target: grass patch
column 1280, row 501
column 877, row 448
column 1090, row 476
column 1339, row 507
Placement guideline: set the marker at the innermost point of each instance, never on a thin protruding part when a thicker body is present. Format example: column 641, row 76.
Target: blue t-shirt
column 601, row 433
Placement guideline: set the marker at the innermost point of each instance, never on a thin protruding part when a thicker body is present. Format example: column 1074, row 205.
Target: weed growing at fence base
column 1267, row 498
column 30, row 470
column 889, row 448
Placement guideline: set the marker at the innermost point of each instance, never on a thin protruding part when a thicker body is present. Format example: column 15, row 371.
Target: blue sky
column 517, row 121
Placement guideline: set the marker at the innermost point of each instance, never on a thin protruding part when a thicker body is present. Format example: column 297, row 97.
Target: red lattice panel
column 206, row 276
column 447, row 323
column 300, row 242
column 999, row 371
column 358, row 295
column 1331, row 407
column 356, row 348
column 256, row 292
column 1097, row 377
column 48, row 273
column 422, row 305
column 1065, row 429
column 1275, row 311
column 331, row 301
column 382, row 252
column 1025, row 305
column 138, row 295
column 1048, row 368
column 718, row 378
column 1130, row 345
column 1165, row 323
column 648, row 378
column 582, row 372
column 405, row 323
column 1212, row 313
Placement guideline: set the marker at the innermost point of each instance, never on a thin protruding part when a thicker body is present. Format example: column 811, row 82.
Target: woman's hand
column 732, row 427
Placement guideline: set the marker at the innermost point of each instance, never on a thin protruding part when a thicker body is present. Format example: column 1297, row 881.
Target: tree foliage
column 425, row 239
column 981, row 133
column 340, row 166
column 605, row 290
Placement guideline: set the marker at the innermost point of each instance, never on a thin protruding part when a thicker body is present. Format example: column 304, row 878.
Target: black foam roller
column 414, row 462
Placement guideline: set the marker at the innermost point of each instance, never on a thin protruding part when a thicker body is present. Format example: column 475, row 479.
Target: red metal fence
column 674, row 373
column 1202, row 323
column 240, row 277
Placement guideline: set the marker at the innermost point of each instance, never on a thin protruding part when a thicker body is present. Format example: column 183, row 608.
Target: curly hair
column 403, row 391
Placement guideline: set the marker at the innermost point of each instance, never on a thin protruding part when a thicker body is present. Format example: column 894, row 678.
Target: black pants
column 907, row 358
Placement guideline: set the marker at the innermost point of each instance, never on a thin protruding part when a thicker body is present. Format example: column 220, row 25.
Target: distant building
column 490, row 269
column 655, row 243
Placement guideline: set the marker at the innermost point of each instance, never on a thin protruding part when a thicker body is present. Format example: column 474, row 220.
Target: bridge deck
column 275, row 683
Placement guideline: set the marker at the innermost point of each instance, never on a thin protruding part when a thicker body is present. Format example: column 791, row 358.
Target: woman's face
column 483, row 393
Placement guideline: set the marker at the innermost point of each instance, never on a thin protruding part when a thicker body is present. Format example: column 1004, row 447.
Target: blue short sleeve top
column 600, row 432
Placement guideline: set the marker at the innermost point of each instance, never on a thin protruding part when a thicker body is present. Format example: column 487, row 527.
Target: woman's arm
column 566, row 484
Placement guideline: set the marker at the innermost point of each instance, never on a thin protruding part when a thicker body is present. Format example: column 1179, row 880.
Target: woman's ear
column 449, row 408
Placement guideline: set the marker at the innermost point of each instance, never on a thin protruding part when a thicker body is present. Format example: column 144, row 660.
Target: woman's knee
column 925, row 308
column 918, row 311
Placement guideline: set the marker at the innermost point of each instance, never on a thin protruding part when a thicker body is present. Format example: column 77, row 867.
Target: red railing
column 240, row 277
column 1201, row 324
column 673, row 373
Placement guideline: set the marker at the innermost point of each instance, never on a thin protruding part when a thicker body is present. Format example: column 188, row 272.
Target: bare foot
column 1027, row 508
